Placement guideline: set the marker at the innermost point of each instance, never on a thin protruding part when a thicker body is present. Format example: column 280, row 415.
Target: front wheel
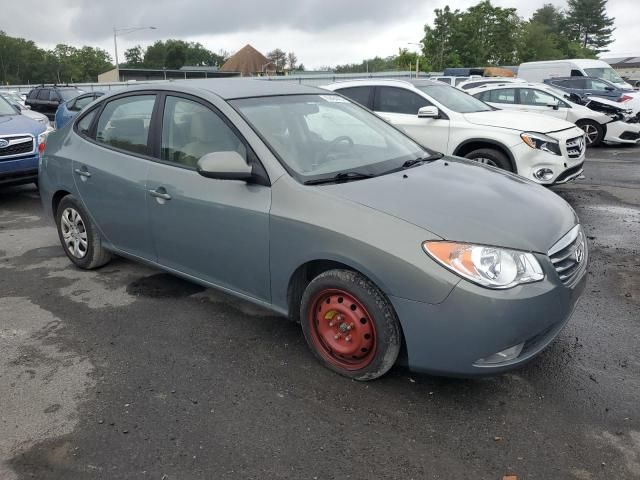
column 594, row 132
column 490, row 156
column 78, row 236
column 350, row 325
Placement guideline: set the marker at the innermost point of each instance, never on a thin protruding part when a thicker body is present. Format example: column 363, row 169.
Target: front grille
column 576, row 146
column 16, row 145
column 569, row 172
column 569, row 255
column 630, row 136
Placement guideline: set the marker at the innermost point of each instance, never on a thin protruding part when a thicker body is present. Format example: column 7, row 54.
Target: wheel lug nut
column 331, row 324
column 337, row 336
column 348, row 338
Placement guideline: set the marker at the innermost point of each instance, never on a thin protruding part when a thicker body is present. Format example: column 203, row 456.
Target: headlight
column 44, row 121
column 490, row 267
column 542, row 142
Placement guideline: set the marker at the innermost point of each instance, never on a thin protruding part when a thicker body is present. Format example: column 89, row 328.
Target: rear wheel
column 593, row 130
column 490, row 156
column 78, row 236
column 350, row 325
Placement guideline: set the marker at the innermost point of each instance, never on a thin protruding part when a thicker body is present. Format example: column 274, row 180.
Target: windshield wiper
column 340, row 177
column 416, row 161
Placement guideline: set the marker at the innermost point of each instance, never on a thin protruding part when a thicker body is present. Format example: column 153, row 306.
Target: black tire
column 594, row 131
column 492, row 157
column 377, row 309
column 94, row 255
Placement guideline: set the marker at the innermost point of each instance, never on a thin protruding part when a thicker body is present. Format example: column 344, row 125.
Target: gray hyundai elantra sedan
column 301, row 201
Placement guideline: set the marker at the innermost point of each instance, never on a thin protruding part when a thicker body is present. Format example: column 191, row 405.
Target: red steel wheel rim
column 342, row 330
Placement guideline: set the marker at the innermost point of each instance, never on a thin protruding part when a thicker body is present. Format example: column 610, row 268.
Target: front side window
column 190, row 130
column 80, row 103
column 399, row 100
column 597, row 85
column 501, row 95
column 320, row 136
column 536, row 98
column 606, row 73
column 124, row 123
column 43, row 94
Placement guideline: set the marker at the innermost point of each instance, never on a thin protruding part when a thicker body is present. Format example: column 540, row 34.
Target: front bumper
column 565, row 167
column 622, row 132
column 475, row 322
column 19, row 170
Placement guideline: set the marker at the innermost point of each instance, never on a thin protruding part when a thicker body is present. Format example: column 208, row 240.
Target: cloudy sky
column 326, row 32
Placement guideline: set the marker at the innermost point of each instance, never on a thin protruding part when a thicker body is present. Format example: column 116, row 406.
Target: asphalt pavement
column 127, row 372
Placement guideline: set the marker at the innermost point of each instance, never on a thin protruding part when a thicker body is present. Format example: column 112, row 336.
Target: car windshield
column 6, row 108
column 454, row 99
column 69, row 94
column 604, row 74
column 320, row 136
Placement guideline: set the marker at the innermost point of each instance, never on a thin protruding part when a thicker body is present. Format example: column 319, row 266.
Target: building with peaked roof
column 249, row 62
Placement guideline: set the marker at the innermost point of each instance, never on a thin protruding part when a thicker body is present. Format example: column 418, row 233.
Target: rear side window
column 190, row 130
column 33, row 94
column 43, row 94
column 124, row 123
column 80, row 103
column 399, row 100
column 361, row 95
column 84, row 125
column 501, row 95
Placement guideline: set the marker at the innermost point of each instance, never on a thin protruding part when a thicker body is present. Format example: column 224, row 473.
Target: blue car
column 69, row 109
column 21, row 144
column 590, row 86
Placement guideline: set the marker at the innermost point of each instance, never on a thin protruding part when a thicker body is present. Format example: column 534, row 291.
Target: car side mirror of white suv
column 429, row 112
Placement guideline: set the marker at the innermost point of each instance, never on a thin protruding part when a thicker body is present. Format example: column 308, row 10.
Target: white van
column 541, row 71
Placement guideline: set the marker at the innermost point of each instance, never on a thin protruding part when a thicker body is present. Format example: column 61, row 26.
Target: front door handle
column 160, row 192
column 82, row 172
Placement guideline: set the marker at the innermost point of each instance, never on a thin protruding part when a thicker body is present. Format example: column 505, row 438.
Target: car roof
column 386, row 81
column 495, row 86
column 230, row 88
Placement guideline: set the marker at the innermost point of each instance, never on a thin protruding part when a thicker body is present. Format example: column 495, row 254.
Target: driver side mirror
column 609, row 89
column 429, row 112
column 555, row 105
column 224, row 166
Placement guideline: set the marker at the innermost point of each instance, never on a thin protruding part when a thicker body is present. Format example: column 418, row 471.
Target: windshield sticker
column 334, row 99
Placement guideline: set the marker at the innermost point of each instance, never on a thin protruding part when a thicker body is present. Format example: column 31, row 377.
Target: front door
column 215, row 230
column 400, row 107
column 110, row 170
column 538, row 101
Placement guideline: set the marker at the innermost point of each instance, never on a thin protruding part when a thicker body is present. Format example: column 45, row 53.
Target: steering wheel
column 322, row 154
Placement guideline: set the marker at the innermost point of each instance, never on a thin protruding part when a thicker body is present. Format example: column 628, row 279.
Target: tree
column 550, row 17
column 278, row 58
column 440, row 42
column 292, row 60
column 588, row 24
column 134, row 56
column 538, row 42
column 176, row 54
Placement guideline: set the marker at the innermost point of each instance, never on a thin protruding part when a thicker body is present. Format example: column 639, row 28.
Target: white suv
column 543, row 149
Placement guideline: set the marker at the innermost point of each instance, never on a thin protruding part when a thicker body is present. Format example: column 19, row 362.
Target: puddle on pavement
column 163, row 285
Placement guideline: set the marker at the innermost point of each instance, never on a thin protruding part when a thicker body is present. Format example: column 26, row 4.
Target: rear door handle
column 82, row 173
column 160, row 193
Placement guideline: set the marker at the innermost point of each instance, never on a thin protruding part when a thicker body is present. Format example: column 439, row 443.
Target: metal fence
column 303, row 79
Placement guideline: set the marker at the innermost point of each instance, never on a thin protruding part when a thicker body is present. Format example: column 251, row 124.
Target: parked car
column 580, row 67
column 448, row 120
column 47, row 99
column 15, row 100
column 478, row 82
column 594, row 87
column 540, row 98
column 12, row 96
column 304, row 202
column 67, row 110
column 21, row 143
column 454, row 81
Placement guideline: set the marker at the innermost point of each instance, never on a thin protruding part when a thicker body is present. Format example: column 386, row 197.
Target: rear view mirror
column 554, row 105
column 224, row 166
column 428, row 112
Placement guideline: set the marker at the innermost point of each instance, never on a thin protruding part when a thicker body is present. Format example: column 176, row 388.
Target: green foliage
column 22, row 61
column 587, row 23
column 172, row 54
column 441, row 42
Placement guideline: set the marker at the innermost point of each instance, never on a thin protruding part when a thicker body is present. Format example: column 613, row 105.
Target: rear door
column 215, row 230
column 400, row 106
column 110, row 167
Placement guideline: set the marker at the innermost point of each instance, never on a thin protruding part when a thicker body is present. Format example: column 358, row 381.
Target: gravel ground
column 127, row 372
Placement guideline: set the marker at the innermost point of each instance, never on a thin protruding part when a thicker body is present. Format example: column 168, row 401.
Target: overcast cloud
column 327, row 32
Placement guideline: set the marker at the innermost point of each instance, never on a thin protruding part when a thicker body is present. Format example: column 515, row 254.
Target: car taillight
column 624, row 98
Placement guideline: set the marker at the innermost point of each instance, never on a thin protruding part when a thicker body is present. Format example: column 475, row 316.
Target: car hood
column 521, row 121
column 17, row 124
column 463, row 201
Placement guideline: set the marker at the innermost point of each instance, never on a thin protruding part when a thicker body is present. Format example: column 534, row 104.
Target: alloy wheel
column 591, row 133
column 74, row 232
